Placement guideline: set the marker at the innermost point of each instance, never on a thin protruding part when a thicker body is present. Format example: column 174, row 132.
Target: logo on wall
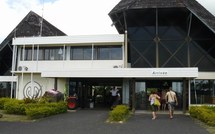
column 32, row 90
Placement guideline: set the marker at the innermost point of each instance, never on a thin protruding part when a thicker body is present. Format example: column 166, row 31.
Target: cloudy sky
column 74, row 17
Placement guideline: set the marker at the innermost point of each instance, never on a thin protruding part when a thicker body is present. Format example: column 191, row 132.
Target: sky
column 73, row 17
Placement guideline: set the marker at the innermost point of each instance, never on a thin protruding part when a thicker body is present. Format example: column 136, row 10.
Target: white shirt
column 114, row 92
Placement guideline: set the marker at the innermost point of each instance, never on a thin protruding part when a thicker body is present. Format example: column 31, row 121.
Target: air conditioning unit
column 25, row 68
column 115, row 66
column 22, row 68
column 120, row 66
column 19, row 68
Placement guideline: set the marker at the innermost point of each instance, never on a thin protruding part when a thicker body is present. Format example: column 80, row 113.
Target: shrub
column 205, row 114
column 40, row 110
column 30, row 100
column 61, row 107
column 32, row 107
column 195, row 111
column 212, row 108
column 14, row 106
column 119, row 113
column 46, row 99
column 2, row 102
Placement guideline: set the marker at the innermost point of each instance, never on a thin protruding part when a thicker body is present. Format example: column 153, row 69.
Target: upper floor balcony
column 36, row 54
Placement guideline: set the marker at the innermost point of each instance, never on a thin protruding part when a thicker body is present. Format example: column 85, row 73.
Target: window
column 202, row 91
column 99, row 52
column 53, row 53
column 26, row 53
column 107, row 53
column 81, row 53
column 45, row 53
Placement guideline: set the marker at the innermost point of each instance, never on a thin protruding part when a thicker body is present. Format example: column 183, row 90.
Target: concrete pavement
column 94, row 122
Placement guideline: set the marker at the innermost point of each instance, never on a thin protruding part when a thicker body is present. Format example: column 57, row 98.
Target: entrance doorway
column 93, row 93
column 144, row 87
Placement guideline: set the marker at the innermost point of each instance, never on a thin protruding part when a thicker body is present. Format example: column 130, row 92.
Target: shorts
column 154, row 108
column 171, row 105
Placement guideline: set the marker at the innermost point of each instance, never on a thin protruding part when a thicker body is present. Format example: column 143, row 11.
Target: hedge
column 2, row 102
column 35, row 111
column 14, row 106
column 205, row 114
column 32, row 108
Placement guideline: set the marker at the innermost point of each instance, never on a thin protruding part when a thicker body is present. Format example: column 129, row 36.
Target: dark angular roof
column 192, row 5
column 29, row 26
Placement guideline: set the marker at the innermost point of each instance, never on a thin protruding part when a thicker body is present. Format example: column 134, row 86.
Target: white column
column 189, row 94
column 125, row 91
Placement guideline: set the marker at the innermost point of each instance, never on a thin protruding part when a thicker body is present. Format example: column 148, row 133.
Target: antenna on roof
column 41, row 21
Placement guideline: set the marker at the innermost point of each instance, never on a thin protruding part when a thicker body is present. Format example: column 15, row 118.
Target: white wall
column 26, row 88
column 206, row 75
column 61, row 83
column 38, row 66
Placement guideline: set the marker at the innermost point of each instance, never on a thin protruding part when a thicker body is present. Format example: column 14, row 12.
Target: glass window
column 41, row 54
column 116, row 53
column 202, row 91
column 88, row 53
column 143, row 53
column 104, row 53
column 49, row 53
column 56, row 54
column 141, row 97
column 5, row 89
column 81, row 53
column 26, row 53
column 107, row 53
column 77, row 53
column 53, row 53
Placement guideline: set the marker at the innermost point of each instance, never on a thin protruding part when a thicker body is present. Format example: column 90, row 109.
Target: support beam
column 188, row 40
column 185, row 95
column 157, row 40
column 126, row 42
column 126, row 50
column 133, row 100
column 55, row 83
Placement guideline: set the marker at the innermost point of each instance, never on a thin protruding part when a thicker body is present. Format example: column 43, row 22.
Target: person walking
column 163, row 100
column 172, row 101
column 152, row 98
column 114, row 97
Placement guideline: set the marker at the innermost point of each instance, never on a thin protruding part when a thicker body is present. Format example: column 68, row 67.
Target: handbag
column 157, row 102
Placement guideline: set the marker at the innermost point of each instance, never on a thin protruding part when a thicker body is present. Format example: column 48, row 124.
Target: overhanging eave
column 125, row 73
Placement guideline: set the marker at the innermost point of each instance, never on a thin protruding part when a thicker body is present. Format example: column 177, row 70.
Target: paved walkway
column 93, row 122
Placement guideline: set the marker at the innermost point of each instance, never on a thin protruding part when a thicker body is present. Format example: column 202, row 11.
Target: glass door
column 143, row 89
column 177, row 87
column 140, row 93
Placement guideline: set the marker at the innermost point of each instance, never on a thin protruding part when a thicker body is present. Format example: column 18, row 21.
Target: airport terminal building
column 160, row 44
